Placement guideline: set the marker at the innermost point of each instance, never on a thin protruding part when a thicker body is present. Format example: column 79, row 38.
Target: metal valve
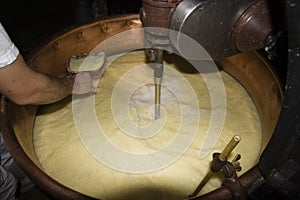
column 229, row 169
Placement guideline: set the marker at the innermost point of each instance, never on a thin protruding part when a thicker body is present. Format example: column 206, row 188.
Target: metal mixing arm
column 223, row 28
column 158, row 73
column 157, row 13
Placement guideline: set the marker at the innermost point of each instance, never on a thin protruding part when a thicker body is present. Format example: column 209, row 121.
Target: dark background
column 30, row 22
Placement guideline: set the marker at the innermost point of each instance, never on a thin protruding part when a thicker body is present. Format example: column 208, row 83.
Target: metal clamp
column 220, row 164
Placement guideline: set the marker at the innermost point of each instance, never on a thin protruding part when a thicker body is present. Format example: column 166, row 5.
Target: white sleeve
column 8, row 51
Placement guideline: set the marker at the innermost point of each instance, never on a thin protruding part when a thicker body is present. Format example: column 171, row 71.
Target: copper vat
column 251, row 69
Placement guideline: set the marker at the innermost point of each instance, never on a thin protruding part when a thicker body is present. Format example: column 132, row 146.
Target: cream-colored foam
column 64, row 157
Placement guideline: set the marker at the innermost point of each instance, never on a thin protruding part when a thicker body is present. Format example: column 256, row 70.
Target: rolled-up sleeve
column 8, row 51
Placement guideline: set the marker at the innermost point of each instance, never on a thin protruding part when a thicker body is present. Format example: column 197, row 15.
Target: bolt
column 56, row 46
column 80, row 35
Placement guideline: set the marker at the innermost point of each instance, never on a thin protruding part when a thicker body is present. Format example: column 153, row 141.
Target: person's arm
column 24, row 86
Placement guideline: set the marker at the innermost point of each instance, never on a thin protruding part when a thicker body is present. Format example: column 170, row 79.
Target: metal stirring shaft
column 158, row 73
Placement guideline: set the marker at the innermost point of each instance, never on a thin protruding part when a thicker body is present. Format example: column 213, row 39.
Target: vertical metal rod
column 157, row 100
column 158, row 73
